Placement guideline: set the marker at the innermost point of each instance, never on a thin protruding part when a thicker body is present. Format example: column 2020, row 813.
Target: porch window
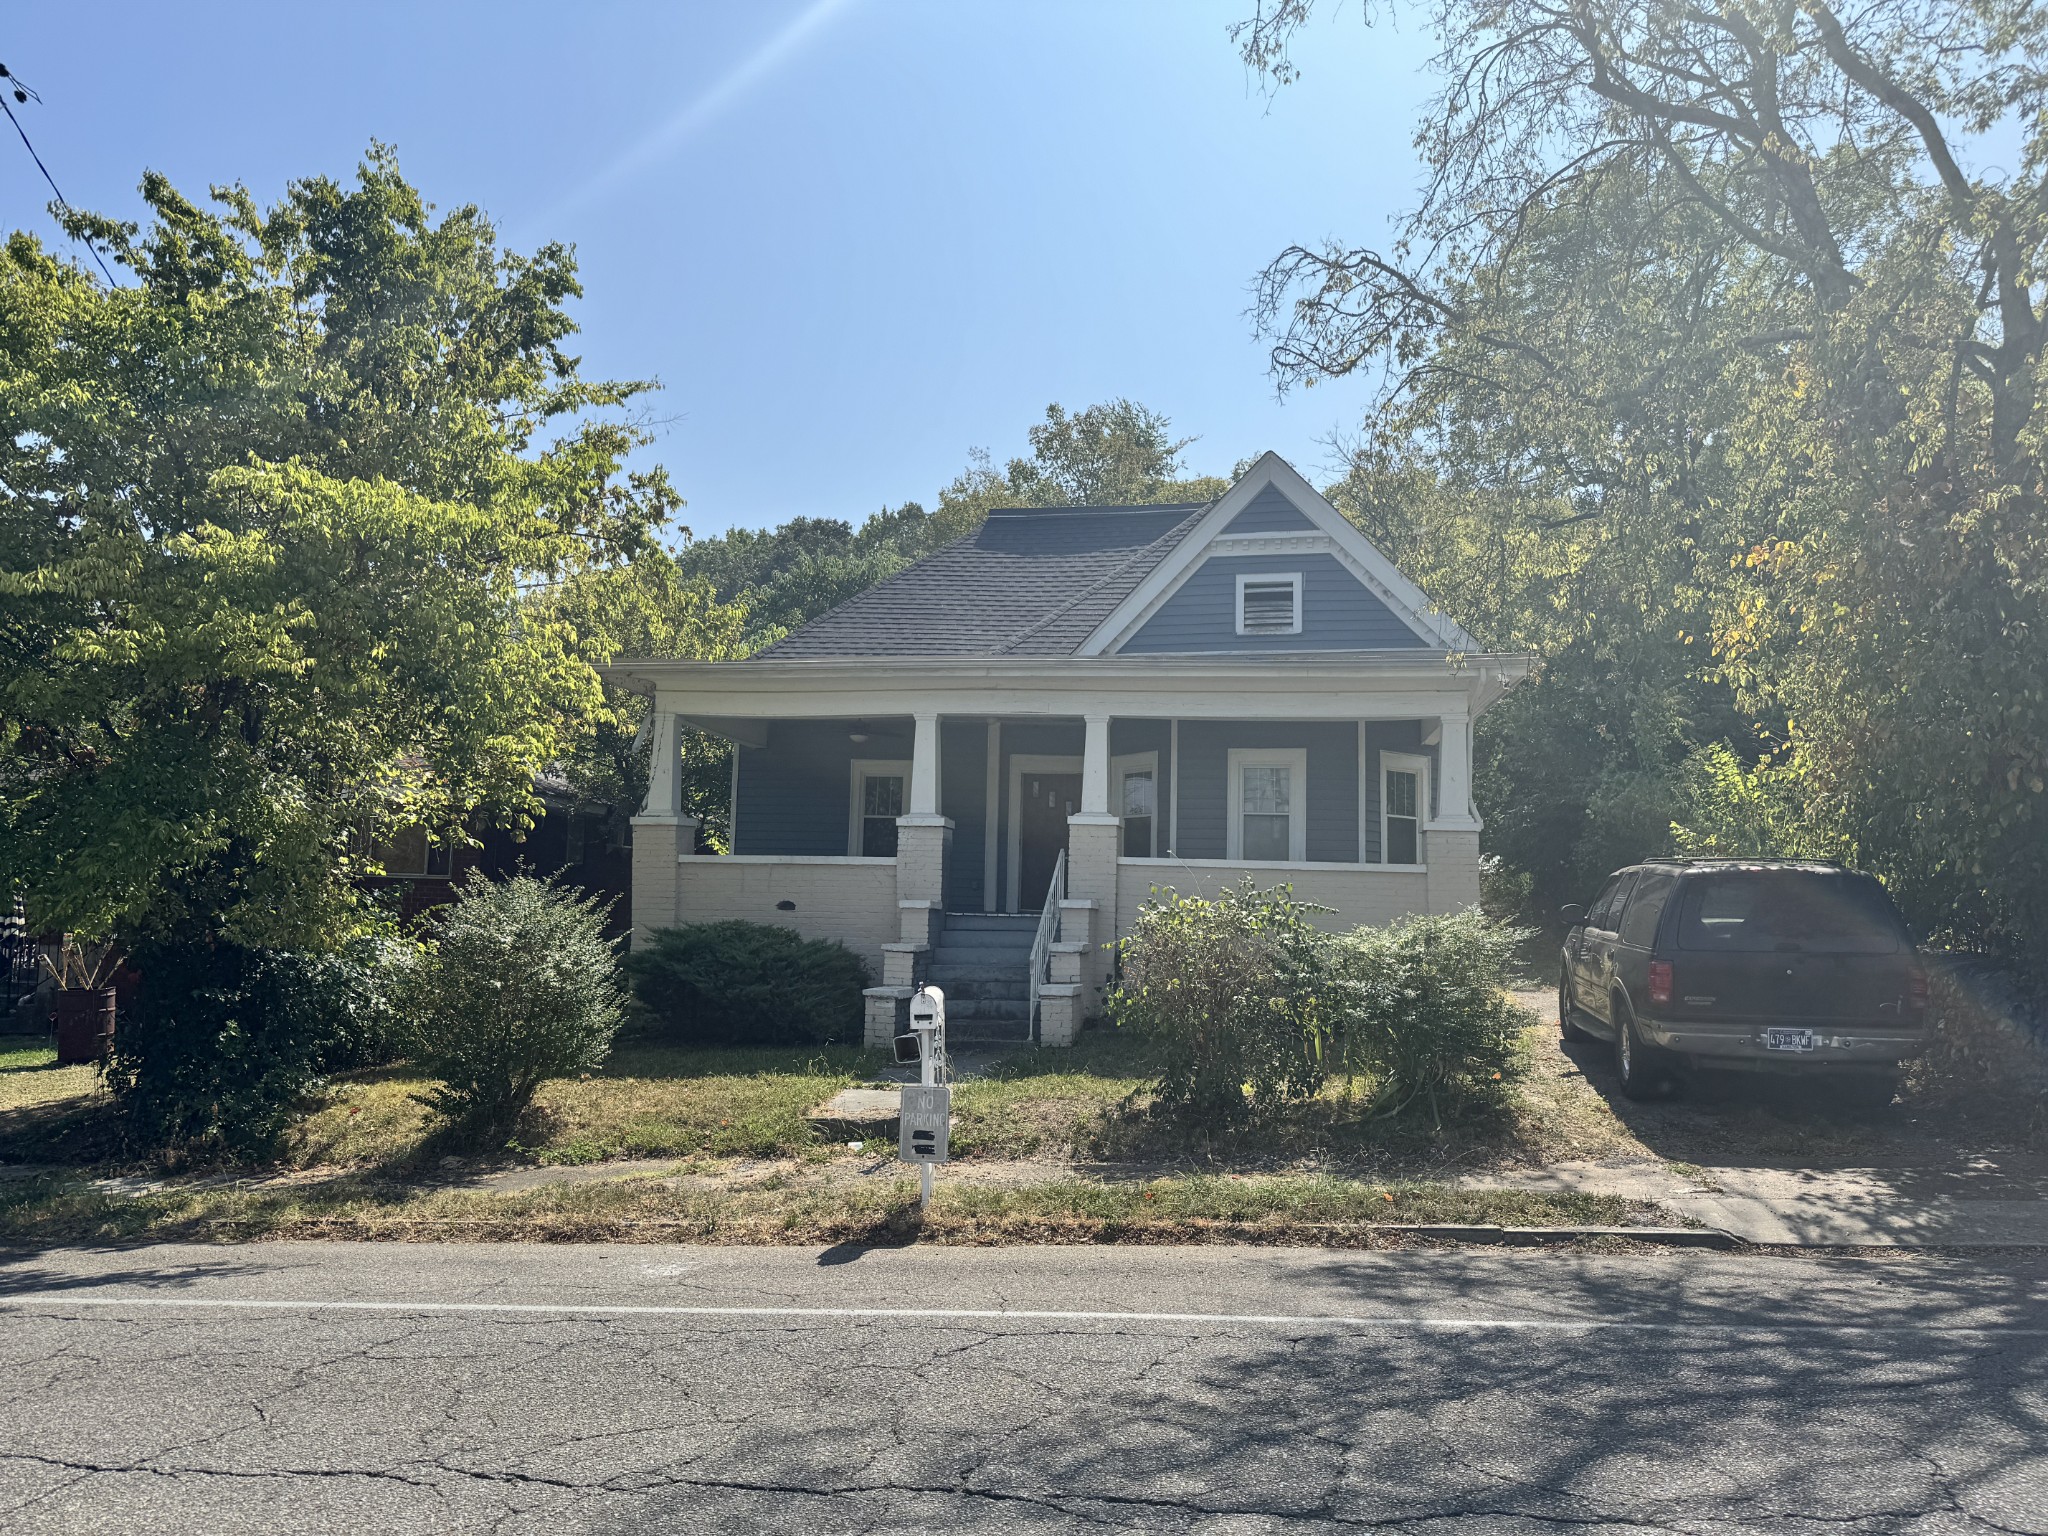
column 880, row 793
column 1403, row 793
column 1268, row 816
column 1136, row 781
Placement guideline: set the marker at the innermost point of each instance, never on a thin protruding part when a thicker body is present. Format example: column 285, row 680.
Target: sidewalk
column 1983, row 1204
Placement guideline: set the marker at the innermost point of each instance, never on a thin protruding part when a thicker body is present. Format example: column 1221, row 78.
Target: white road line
column 63, row 1299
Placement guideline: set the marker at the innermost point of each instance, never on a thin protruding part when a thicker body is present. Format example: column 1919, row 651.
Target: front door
column 1044, row 803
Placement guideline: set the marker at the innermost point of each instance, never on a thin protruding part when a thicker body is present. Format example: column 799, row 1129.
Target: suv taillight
column 1660, row 981
column 1917, row 996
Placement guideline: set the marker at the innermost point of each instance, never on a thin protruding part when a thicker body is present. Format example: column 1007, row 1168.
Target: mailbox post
column 925, row 1111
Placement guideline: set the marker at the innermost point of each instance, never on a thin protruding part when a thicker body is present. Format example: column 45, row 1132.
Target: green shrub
column 1231, row 991
column 741, row 983
column 1425, row 1011
column 221, row 1044
column 521, row 985
column 370, row 1032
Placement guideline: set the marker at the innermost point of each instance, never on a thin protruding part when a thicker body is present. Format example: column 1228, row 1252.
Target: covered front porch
column 994, row 828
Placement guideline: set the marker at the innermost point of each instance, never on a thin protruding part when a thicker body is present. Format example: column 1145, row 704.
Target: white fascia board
column 1403, row 598
column 717, row 693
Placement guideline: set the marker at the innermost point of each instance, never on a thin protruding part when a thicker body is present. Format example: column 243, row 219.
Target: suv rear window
column 1744, row 911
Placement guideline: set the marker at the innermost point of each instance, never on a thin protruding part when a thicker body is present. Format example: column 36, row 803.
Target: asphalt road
column 391, row 1388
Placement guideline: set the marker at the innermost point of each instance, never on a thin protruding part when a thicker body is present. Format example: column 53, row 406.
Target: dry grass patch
column 811, row 1210
column 48, row 1113
column 647, row 1101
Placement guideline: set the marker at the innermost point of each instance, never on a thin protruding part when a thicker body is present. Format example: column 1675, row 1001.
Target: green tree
column 645, row 607
column 1114, row 454
column 267, row 508
column 1722, row 282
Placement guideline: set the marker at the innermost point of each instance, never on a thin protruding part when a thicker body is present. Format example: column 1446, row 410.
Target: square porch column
column 923, row 840
column 662, row 835
column 1451, row 837
column 1094, row 838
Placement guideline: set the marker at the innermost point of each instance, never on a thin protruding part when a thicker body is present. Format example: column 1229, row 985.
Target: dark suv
column 1764, row 964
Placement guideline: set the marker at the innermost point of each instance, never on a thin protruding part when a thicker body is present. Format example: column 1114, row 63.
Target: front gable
column 1270, row 534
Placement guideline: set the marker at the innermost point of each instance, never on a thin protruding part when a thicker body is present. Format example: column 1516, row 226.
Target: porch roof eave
column 1274, row 685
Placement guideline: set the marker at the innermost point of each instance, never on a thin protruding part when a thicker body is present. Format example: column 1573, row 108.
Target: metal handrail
column 1048, row 925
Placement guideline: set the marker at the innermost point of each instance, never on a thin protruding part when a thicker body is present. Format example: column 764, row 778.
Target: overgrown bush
column 1988, row 1061
column 520, row 986
column 1426, row 1015
column 1231, row 989
column 221, row 1043
column 742, row 983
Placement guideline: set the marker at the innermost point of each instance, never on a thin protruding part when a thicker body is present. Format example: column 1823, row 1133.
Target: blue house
column 974, row 773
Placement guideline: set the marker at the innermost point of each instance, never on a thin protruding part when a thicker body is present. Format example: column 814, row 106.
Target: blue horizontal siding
column 1338, row 613
column 796, row 793
column 1332, row 789
column 1389, row 736
column 963, row 787
column 1270, row 512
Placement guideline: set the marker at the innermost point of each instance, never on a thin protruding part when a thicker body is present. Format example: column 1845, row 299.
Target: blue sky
column 852, row 238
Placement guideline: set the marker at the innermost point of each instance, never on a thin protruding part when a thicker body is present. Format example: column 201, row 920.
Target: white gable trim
column 1403, row 598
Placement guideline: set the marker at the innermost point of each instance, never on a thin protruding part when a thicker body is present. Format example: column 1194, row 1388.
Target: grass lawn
column 647, row 1102
column 818, row 1206
column 48, row 1113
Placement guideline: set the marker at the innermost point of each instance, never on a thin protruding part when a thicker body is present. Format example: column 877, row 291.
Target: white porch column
column 1450, row 839
column 663, row 837
column 924, row 766
column 664, row 768
column 1093, row 833
column 923, row 838
column 1095, row 766
column 1454, row 777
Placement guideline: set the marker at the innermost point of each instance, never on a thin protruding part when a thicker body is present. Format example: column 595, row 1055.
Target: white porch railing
column 1048, row 925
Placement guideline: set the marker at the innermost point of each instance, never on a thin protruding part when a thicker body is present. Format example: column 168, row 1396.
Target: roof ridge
column 1112, row 506
column 1010, row 645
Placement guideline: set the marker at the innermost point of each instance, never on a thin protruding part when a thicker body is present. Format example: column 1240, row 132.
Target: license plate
column 1789, row 1040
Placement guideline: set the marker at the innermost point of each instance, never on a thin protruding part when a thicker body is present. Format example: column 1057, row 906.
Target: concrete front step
column 1007, row 989
column 992, row 922
column 987, row 1031
column 982, row 1009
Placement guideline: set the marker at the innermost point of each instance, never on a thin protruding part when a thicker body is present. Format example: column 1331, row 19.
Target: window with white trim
column 880, row 794
column 1269, row 603
column 1268, row 805
column 1134, row 790
column 1404, row 794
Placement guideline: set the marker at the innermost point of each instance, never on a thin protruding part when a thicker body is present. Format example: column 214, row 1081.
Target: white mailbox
column 925, row 1116
column 928, row 1009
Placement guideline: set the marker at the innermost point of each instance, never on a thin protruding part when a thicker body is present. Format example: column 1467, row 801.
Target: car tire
column 1646, row 1073
column 1568, row 1024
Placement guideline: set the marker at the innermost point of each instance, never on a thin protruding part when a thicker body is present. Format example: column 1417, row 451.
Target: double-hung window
column 880, row 793
column 1134, row 785
column 1404, row 798
column 1268, row 805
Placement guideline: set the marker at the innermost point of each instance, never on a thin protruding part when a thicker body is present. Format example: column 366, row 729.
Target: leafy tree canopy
column 1114, row 454
column 267, row 510
column 1727, row 360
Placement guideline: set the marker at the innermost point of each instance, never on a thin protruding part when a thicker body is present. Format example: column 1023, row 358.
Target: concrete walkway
column 1988, row 1203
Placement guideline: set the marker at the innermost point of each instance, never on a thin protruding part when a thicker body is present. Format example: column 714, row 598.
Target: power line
column 21, row 92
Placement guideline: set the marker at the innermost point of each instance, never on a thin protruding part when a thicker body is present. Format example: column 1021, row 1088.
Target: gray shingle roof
column 1031, row 581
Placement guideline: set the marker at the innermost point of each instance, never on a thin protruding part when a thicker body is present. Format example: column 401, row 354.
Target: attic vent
column 1269, row 605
